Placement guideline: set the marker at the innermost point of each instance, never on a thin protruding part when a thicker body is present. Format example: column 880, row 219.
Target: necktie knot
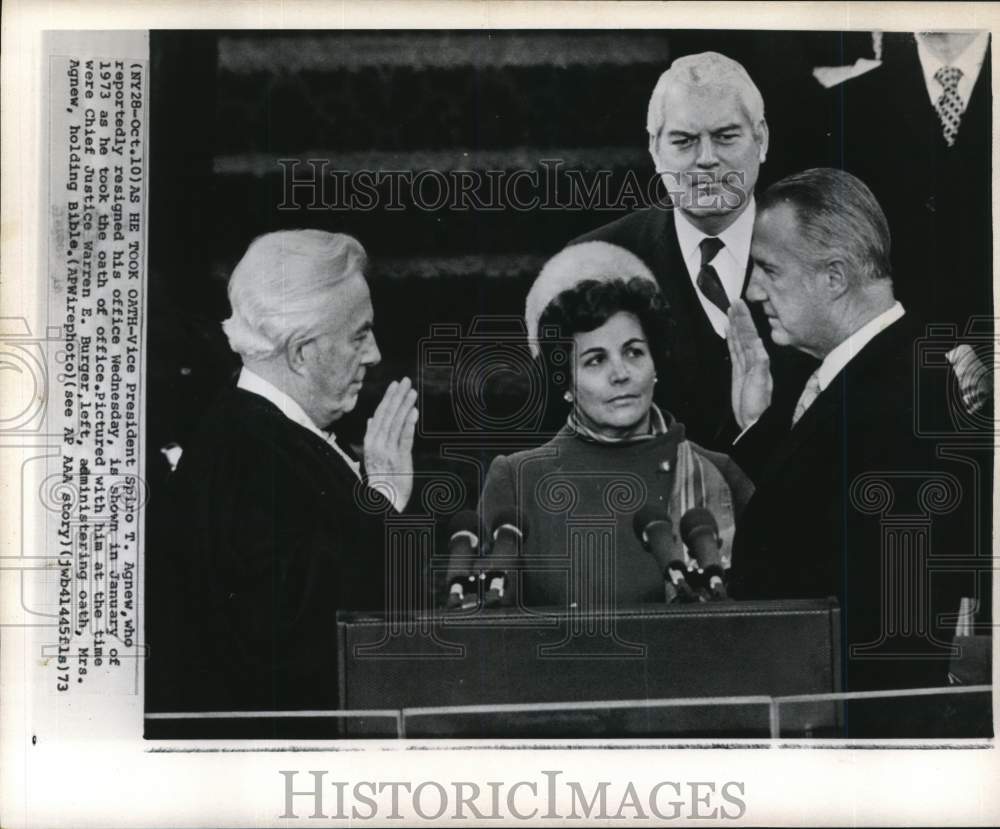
column 948, row 77
column 710, row 246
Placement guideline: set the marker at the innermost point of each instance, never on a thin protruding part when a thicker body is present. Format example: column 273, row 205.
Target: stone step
column 425, row 211
column 312, row 161
column 250, row 52
column 405, row 107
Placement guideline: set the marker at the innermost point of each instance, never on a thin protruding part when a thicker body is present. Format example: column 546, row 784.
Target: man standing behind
column 276, row 526
column 814, row 526
column 708, row 138
column 927, row 160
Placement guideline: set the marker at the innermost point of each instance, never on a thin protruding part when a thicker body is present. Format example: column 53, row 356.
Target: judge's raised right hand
column 751, row 378
column 389, row 443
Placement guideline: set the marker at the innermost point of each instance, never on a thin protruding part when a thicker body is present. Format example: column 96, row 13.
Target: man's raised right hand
column 751, row 379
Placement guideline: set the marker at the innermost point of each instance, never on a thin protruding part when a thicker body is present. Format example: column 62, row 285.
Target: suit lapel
column 691, row 323
column 746, row 277
column 974, row 126
column 679, row 291
column 828, row 411
column 919, row 115
column 826, row 407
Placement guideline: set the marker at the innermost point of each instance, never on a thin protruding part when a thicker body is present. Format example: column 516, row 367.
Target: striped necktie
column 708, row 280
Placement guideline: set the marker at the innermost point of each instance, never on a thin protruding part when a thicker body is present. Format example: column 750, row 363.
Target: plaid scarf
column 657, row 427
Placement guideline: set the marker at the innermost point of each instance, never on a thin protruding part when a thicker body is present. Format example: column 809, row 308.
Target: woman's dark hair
column 587, row 306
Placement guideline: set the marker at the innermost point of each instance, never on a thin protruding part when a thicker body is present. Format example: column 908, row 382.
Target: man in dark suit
column 927, row 158
column 708, row 138
column 851, row 501
column 917, row 131
column 273, row 525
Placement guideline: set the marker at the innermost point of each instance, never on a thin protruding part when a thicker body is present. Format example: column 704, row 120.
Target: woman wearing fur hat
column 598, row 323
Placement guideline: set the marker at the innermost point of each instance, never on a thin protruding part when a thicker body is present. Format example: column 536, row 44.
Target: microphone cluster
column 476, row 581
column 704, row 580
column 468, row 575
column 463, row 551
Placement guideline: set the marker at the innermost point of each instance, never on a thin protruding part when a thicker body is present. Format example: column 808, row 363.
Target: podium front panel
column 656, row 653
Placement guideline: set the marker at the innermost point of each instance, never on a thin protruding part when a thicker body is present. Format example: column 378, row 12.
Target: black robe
column 264, row 532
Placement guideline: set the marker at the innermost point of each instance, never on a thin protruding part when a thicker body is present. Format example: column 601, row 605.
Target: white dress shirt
column 730, row 262
column 970, row 62
column 255, row 384
column 835, row 361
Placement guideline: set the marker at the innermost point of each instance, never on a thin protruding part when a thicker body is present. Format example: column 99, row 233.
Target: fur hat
column 587, row 260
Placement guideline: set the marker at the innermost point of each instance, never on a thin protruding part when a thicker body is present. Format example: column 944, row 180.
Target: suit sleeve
column 754, row 447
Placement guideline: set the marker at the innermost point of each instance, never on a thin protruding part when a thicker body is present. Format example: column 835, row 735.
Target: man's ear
column 296, row 353
column 836, row 281
column 764, row 137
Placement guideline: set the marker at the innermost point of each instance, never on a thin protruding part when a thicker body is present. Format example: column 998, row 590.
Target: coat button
column 664, row 466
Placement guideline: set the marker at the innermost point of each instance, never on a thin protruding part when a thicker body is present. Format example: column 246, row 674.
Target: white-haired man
column 708, row 137
column 281, row 526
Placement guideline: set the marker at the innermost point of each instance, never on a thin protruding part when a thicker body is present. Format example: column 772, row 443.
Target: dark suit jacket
column 807, row 533
column 937, row 198
column 696, row 388
column 261, row 541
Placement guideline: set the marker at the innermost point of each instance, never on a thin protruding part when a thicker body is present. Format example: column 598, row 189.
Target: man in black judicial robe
column 271, row 526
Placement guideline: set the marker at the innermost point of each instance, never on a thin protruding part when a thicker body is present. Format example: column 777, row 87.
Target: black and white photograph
column 416, row 401
column 548, row 434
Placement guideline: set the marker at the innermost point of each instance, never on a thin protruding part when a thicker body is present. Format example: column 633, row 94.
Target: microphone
column 700, row 533
column 675, row 574
column 509, row 532
column 463, row 545
column 654, row 529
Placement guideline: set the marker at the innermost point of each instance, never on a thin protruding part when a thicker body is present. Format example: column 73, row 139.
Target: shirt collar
column 256, row 384
column 969, row 62
column 849, row 348
column 736, row 237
